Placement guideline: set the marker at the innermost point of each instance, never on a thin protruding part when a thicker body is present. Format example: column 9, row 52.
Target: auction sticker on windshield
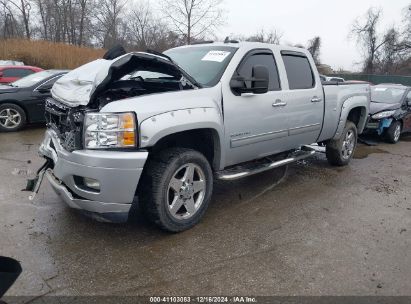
column 216, row 56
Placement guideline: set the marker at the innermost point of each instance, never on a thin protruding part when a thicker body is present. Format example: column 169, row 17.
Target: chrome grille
column 66, row 122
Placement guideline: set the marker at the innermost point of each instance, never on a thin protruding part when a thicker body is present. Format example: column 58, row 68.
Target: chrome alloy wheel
column 10, row 118
column 348, row 144
column 186, row 191
column 397, row 133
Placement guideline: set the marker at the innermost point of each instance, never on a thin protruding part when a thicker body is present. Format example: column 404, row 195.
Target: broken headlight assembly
column 110, row 130
column 384, row 114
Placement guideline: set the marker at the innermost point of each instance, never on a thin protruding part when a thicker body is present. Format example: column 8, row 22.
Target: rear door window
column 299, row 73
column 265, row 59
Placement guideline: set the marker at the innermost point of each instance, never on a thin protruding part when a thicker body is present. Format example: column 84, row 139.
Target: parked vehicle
column 390, row 111
column 360, row 81
column 23, row 101
column 10, row 62
column 333, row 79
column 336, row 79
column 199, row 112
column 12, row 73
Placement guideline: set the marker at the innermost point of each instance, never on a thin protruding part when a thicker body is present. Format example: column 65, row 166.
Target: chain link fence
column 377, row 79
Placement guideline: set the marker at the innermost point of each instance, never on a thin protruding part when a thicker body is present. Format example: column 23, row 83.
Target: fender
column 355, row 101
column 159, row 126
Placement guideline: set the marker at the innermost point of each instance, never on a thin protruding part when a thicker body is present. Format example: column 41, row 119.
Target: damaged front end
column 378, row 125
column 92, row 86
column 67, row 122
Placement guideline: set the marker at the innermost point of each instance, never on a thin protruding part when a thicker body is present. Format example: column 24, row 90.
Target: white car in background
column 10, row 62
column 335, row 79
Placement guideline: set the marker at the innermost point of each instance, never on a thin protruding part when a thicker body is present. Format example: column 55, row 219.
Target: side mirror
column 257, row 84
column 1, row 74
column 261, row 77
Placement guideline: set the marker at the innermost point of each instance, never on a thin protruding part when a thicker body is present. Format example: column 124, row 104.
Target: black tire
column 335, row 152
column 391, row 134
column 154, row 192
column 21, row 119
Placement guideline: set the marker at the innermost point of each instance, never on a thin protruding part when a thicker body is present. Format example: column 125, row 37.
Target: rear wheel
column 339, row 152
column 393, row 133
column 176, row 189
column 12, row 117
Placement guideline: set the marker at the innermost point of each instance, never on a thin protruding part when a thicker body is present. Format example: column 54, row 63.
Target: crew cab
column 156, row 129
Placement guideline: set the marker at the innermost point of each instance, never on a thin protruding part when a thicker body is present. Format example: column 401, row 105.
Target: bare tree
column 273, row 36
column 109, row 21
column 314, row 47
column 141, row 25
column 23, row 7
column 391, row 52
column 407, row 29
column 365, row 32
column 148, row 31
column 193, row 19
column 84, row 6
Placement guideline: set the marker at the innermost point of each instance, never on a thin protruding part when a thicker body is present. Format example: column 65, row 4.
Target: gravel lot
column 318, row 231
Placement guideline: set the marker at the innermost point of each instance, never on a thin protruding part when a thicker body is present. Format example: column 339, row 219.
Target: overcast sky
column 301, row 20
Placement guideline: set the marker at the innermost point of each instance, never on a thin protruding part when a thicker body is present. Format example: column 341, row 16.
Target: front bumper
column 117, row 172
column 378, row 125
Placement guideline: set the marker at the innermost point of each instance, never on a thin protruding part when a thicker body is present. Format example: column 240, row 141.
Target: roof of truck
column 247, row 44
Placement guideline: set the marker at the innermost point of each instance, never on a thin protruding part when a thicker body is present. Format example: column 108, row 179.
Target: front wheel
column 393, row 133
column 339, row 152
column 176, row 189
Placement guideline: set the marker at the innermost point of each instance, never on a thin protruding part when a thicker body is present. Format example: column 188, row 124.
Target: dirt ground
column 319, row 231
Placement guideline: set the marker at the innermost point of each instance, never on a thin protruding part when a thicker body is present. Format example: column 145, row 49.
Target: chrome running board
column 265, row 164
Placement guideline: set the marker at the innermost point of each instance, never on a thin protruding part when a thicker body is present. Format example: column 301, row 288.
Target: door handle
column 278, row 103
column 316, row 99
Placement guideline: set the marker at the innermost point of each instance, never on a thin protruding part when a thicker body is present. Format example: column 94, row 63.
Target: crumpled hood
column 75, row 88
column 80, row 86
column 377, row 107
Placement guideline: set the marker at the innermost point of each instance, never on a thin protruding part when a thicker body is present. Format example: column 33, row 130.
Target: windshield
column 387, row 94
column 205, row 64
column 32, row 79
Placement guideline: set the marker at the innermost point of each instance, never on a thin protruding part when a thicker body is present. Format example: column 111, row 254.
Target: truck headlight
column 382, row 115
column 110, row 130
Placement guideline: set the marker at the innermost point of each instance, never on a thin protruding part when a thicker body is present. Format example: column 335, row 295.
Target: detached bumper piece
column 33, row 185
column 102, row 212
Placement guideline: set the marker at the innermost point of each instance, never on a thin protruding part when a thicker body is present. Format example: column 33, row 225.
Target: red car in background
column 15, row 72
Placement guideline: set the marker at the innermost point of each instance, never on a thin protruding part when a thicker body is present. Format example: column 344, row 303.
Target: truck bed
column 336, row 94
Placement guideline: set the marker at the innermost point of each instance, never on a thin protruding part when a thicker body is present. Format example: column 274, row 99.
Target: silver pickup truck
column 156, row 129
